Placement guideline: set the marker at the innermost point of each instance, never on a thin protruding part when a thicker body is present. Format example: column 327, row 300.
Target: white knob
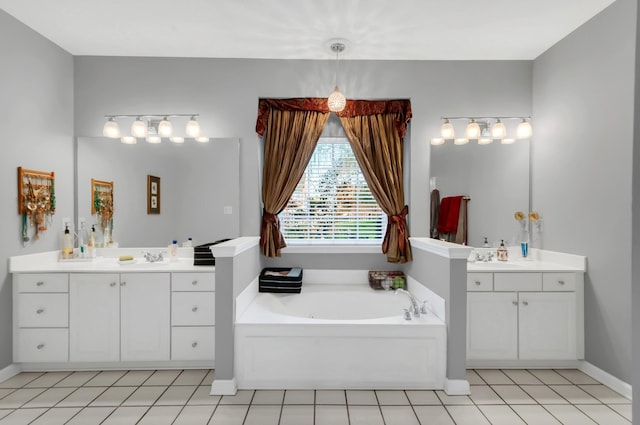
column 40, row 311
column 194, row 309
column 39, row 283
column 195, row 282
column 40, row 346
column 478, row 282
column 515, row 302
column 194, row 345
column 561, row 282
column 525, row 302
column 112, row 284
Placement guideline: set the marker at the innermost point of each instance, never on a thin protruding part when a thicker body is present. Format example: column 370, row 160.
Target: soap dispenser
column 91, row 242
column 502, row 254
column 67, row 244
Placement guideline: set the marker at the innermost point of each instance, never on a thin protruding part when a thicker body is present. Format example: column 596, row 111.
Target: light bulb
column 139, row 128
column 524, row 130
column 165, row 129
column 111, row 129
column 154, row 139
column 461, row 141
column 336, row 101
column 473, row 130
column 193, row 128
column 176, row 139
column 129, row 140
column 437, row 141
column 202, row 139
column 498, row 130
column 447, row 132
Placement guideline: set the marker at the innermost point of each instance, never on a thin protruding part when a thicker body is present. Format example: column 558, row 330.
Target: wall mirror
column 494, row 176
column 200, row 189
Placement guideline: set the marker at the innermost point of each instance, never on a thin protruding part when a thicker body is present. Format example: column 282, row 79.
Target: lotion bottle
column 503, row 254
column 67, row 244
column 173, row 251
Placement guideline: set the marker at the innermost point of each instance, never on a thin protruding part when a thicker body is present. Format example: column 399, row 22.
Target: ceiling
column 301, row 29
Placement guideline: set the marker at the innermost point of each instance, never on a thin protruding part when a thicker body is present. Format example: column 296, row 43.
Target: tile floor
column 160, row 397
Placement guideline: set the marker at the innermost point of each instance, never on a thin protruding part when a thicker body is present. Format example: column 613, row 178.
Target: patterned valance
column 400, row 108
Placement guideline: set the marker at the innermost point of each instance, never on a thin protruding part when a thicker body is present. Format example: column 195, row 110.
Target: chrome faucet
column 151, row 257
column 415, row 308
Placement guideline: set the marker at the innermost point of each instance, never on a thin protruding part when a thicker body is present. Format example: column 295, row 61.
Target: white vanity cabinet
column 192, row 316
column 526, row 317
column 41, row 317
column 119, row 317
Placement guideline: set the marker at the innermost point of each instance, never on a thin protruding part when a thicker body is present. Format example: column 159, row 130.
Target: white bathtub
column 337, row 337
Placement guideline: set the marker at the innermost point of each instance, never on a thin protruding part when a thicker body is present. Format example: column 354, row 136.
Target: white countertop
column 106, row 262
column 538, row 261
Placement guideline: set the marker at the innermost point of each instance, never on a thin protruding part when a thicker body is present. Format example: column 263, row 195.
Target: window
column 332, row 202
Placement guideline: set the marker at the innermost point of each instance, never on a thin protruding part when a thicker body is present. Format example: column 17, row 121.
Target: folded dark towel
column 449, row 214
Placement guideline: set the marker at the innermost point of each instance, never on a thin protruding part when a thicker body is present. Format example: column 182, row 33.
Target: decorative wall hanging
column 153, row 194
column 102, row 204
column 36, row 201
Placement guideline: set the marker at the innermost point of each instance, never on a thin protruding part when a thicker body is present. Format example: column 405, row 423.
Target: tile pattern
column 180, row 397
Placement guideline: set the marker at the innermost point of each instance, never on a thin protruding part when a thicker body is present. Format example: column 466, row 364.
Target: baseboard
column 457, row 387
column 617, row 385
column 224, row 387
column 9, row 372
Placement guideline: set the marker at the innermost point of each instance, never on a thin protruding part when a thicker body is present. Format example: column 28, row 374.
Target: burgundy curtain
column 375, row 130
column 290, row 137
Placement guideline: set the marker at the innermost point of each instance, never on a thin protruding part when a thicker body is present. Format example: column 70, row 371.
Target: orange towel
column 449, row 214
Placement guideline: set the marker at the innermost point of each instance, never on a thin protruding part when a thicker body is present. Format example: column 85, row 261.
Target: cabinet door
column 145, row 316
column 547, row 325
column 492, row 325
column 94, row 317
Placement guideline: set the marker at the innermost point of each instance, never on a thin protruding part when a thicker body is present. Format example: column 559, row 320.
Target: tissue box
column 280, row 280
column 397, row 279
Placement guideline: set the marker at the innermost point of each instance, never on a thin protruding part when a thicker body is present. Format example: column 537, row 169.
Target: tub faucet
column 415, row 308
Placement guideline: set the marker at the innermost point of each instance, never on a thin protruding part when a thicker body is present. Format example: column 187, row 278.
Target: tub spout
column 415, row 309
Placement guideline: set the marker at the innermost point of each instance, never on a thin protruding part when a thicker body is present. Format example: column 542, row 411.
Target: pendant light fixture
column 524, row 130
column 473, row 130
column 447, row 132
column 336, row 100
column 139, row 128
column 193, row 127
column 498, row 130
column 111, row 129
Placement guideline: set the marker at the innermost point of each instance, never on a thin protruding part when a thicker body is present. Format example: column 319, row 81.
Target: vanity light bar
column 152, row 128
column 484, row 130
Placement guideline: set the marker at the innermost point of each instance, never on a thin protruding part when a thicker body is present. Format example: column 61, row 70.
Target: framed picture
column 153, row 194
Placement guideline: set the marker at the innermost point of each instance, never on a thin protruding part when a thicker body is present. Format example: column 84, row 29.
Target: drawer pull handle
column 478, row 282
column 194, row 282
column 525, row 302
column 123, row 283
column 194, row 344
column 112, row 284
column 514, row 302
column 561, row 282
column 40, row 346
column 39, row 283
column 40, row 311
column 194, row 309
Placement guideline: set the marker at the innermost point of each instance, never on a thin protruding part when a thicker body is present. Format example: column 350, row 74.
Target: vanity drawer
column 193, row 308
column 479, row 281
column 193, row 343
column 40, row 282
column 193, row 282
column 42, row 345
column 517, row 282
column 559, row 282
column 43, row 310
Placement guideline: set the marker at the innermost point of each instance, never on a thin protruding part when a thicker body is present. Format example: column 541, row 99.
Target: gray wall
column 226, row 91
column 197, row 180
column 582, row 170
column 635, row 225
column 36, row 118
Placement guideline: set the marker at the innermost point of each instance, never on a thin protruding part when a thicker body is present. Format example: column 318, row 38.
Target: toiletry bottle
column 91, row 243
column 67, row 244
column 503, row 254
column 173, row 251
column 82, row 240
column 485, row 244
column 188, row 243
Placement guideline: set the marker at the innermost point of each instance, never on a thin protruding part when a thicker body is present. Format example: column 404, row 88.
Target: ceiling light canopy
column 484, row 130
column 336, row 100
column 153, row 128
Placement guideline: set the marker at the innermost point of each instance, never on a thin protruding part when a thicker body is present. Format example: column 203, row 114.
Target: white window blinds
column 332, row 202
